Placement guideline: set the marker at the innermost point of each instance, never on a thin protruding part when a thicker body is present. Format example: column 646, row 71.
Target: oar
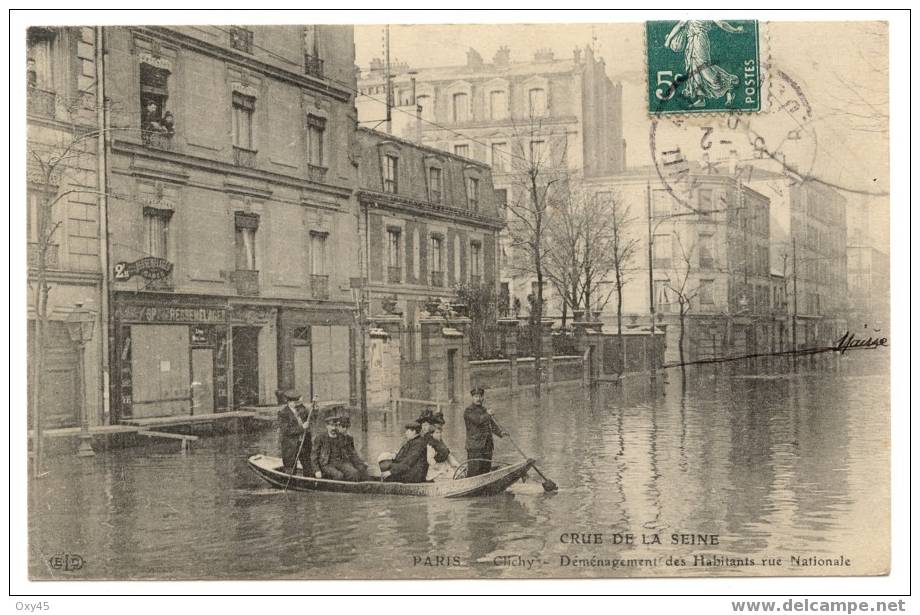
column 306, row 432
column 548, row 485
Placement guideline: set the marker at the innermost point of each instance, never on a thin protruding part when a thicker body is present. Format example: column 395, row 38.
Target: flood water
column 775, row 466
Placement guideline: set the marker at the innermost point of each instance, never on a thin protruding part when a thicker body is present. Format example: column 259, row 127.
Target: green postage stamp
column 702, row 66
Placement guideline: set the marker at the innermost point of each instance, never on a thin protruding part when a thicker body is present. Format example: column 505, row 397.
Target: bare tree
column 538, row 170
column 684, row 291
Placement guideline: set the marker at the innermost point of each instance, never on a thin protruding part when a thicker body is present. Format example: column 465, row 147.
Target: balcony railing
column 316, row 173
column 394, row 275
column 243, row 157
column 247, row 282
column 52, row 256
column 437, row 278
column 40, row 102
column 319, row 286
column 157, row 140
column 312, row 65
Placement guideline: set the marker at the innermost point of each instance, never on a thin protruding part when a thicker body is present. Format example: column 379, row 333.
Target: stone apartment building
column 64, row 211
column 868, row 287
column 718, row 259
column 231, row 242
column 564, row 111
column 428, row 222
column 812, row 217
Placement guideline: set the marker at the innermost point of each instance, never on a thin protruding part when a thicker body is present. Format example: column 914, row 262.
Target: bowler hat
column 478, row 391
column 292, row 395
column 331, row 415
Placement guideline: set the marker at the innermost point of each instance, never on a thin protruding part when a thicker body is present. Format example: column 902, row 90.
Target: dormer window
column 391, row 174
column 435, row 185
column 472, row 192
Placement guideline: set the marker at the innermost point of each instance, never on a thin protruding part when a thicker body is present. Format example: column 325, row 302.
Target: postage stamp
column 702, row 66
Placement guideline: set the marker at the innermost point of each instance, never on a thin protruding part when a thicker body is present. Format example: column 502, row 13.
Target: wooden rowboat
column 270, row 469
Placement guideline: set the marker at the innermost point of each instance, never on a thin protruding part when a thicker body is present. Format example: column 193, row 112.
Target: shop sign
column 149, row 268
column 143, row 313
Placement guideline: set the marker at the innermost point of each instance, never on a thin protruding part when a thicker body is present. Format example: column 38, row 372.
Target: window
column 537, row 102
column 246, row 227
column 461, row 107
column 500, row 158
column 241, row 39
column 662, row 251
column 706, row 251
column 472, row 192
column 318, row 253
column 391, row 174
column 393, row 255
column 498, row 105
column 156, row 228
column 661, row 202
column 475, row 262
column 501, row 197
column 537, row 152
column 427, row 107
column 316, row 133
column 706, row 292
column 38, row 60
column 33, row 214
column 662, row 295
column 462, row 149
column 243, row 109
column 154, row 96
column 436, row 260
column 434, row 184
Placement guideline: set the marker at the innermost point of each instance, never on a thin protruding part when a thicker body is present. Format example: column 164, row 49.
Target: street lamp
column 80, row 323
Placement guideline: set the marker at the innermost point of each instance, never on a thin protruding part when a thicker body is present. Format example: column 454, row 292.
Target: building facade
column 428, row 224
column 868, row 285
column 709, row 259
column 64, row 211
column 231, row 242
column 564, row 113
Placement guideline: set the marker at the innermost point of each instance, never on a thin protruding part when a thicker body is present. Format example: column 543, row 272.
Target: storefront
column 315, row 353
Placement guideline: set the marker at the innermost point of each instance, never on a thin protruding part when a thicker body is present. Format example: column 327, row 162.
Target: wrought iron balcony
column 312, row 65
column 40, row 102
column 158, row 140
column 394, row 275
column 437, row 278
column 247, row 282
column 243, row 157
column 52, row 256
column 319, row 286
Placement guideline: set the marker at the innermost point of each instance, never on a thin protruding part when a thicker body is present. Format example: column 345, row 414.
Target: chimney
column 543, row 55
column 502, row 56
column 473, row 59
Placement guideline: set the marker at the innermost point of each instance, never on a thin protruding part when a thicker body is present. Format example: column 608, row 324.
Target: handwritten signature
column 849, row 340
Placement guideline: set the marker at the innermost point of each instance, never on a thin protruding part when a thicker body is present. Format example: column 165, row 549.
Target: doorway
column 245, row 366
column 202, row 381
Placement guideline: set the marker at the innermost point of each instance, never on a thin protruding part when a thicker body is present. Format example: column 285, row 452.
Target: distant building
column 564, row 110
column 868, row 289
column 428, row 222
column 233, row 248
column 63, row 211
column 808, row 247
column 710, row 248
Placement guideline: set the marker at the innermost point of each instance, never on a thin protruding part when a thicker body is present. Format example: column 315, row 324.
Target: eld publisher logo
column 68, row 562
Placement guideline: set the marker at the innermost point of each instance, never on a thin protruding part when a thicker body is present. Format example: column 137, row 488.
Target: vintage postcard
column 472, row 301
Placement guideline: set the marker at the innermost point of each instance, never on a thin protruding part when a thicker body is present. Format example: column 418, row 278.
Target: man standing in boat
column 294, row 432
column 479, row 430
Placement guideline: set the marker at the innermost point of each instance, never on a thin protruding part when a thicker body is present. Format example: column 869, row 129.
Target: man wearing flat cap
column 330, row 450
column 479, row 430
column 294, row 433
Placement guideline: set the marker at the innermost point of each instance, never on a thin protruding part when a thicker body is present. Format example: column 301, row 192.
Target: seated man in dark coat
column 330, row 457
column 294, row 433
column 351, row 453
column 411, row 462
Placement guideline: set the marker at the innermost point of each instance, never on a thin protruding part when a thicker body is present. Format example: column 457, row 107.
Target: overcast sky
column 841, row 68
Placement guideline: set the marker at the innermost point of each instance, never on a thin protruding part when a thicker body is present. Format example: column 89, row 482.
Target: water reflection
column 795, row 463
